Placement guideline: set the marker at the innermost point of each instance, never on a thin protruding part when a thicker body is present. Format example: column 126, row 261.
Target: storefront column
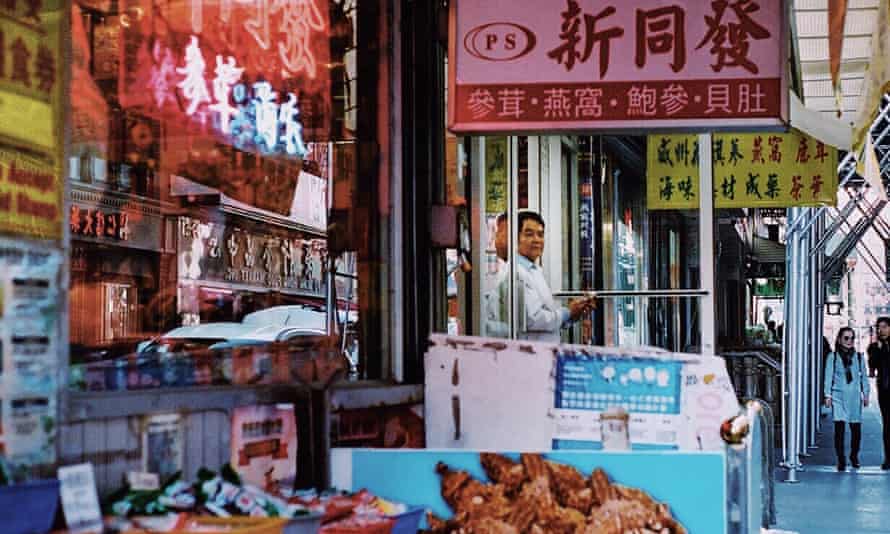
column 792, row 342
column 805, row 338
column 707, row 312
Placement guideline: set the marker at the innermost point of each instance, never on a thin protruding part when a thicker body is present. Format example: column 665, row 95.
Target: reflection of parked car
column 268, row 346
column 310, row 318
column 264, row 354
column 186, row 338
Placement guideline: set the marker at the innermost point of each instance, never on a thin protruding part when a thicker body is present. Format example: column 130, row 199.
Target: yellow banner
column 763, row 170
column 31, row 113
column 30, row 195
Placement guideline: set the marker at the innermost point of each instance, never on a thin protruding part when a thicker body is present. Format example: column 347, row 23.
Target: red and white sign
column 521, row 65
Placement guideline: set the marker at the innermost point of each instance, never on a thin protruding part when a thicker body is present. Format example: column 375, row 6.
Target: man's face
column 531, row 239
column 500, row 239
column 883, row 330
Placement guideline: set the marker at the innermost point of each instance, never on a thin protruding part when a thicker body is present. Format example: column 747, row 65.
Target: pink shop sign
column 573, row 65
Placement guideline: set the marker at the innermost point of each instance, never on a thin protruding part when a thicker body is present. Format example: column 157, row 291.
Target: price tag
column 140, row 481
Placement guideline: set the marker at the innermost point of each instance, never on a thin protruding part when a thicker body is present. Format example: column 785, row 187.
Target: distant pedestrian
column 879, row 365
column 846, row 392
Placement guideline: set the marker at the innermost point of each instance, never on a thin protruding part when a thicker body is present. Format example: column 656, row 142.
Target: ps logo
column 499, row 41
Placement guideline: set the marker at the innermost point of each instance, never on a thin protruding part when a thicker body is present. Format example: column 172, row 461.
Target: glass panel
column 495, row 297
column 206, row 140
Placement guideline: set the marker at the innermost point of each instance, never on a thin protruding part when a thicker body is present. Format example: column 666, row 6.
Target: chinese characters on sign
column 253, row 115
column 98, row 224
column 30, row 185
column 211, row 251
column 27, row 59
column 29, row 194
column 594, row 64
column 750, row 170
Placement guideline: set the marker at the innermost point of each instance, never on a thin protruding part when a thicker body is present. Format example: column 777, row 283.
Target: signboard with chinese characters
column 30, row 74
column 253, row 116
column 99, row 224
column 582, row 64
column 228, row 64
column 30, row 94
column 264, row 444
column 750, row 171
column 278, row 259
column 30, row 193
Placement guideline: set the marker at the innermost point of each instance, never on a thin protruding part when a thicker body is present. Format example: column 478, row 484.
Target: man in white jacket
column 543, row 317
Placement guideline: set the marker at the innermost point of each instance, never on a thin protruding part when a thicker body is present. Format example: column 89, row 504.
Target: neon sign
column 299, row 19
column 250, row 113
column 193, row 86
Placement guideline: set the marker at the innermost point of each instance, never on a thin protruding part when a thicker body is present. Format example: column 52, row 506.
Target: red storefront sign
column 519, row 65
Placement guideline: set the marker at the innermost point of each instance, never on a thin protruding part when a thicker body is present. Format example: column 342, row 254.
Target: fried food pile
column 538, row 496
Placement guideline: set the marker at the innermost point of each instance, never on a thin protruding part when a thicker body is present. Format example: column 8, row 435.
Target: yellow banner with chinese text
column 762, row 170
column 30, row 195
column 30, row 73
column 31, row 115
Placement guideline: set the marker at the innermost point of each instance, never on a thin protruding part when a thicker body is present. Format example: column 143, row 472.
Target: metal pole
column 819, row 323
column 707, row 312
column 789, row 376
column 804, row 347
column 478, row 227
column 631, row 293
column 815, row 347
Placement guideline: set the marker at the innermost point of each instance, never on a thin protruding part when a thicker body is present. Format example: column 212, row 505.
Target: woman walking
column 846, row 392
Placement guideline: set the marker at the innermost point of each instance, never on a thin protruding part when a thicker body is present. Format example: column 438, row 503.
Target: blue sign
column 637, row 385
column 692, row 484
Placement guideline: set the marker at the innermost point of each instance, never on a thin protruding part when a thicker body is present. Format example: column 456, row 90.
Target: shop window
column 501, row 178
column 206, row 141
column 119, row 300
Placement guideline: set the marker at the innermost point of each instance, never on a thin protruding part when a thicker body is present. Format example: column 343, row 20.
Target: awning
column 820, row 125
column 811, row 22
column 183, row 187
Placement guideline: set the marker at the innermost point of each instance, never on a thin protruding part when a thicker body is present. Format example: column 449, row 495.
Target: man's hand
column 828, row 402
column 579, row 307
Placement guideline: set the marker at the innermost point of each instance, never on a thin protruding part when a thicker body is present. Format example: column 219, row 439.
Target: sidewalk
column 825, row 501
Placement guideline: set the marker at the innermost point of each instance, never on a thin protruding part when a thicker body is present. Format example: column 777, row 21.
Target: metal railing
column 750, row 475
column 757, row 375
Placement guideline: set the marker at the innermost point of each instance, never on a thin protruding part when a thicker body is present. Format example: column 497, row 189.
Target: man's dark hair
column 528, row 215
column 885, row 320
column 502, row 218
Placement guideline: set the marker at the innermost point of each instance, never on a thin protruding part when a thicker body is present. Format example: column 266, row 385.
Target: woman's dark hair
column 840, row 334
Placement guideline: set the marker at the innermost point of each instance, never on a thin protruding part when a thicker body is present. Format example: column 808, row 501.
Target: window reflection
column 206, row 137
